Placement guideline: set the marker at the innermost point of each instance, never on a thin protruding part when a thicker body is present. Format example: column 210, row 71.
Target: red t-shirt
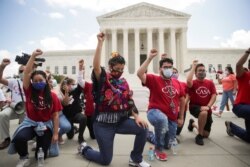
column 185, row 89
column 41, row 113
column 89, row 104
column 160, row 95
column 243, row 95
column 201, row 92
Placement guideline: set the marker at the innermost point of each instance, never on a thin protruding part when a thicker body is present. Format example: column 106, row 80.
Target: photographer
column 9, row 113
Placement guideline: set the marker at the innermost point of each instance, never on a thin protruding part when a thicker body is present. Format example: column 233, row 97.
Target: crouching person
column 113, row 102
column 42, row 108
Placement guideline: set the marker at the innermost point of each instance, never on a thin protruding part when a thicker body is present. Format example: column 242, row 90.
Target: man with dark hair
column 202, row 95
column 15, row 85
column 165, row 100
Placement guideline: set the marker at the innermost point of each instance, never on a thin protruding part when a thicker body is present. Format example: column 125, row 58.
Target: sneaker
column 23, row 162
column 81, row 147
column 190, row 125
column 229, row 131
column 199, row 140
column 5, row 144
column 141, row 164
column 160, row 155
column 61, row 141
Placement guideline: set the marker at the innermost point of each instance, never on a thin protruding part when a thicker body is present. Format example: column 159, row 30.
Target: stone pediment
column 143, row 10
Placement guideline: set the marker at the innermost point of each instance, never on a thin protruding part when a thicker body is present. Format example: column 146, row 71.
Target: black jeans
column 82, row 120
column 90, row 122
column 23, row 136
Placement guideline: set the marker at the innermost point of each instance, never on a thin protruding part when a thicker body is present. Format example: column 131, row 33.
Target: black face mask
column 116, row 74
column 201, row 75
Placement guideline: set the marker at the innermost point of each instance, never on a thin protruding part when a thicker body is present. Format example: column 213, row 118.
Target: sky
column 71, row 24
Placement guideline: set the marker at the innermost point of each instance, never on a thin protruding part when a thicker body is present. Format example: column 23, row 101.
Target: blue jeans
column 164, row 129
column 242, row 111
column 105, row 134
column 225, row 96
column 64, row 124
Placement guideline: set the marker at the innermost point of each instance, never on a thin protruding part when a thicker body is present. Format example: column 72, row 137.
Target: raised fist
column 153, row 53
column 37, row 52
column 101, row 36
column 5, row 62
column 81, row 64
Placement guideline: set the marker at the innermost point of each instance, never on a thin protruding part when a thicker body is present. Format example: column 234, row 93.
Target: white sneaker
column 141, row 164
column 23, row 162
column 81, row 147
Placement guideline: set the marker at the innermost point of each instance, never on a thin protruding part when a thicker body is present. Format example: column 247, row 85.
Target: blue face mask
column 39, row 85
column 175, row 76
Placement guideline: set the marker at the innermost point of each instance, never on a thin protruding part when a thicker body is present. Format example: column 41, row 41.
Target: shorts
column 195, row 111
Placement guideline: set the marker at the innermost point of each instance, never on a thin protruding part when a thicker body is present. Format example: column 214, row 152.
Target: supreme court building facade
column 133, row 31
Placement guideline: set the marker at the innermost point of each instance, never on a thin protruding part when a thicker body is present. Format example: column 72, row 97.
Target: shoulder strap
column 20, row 90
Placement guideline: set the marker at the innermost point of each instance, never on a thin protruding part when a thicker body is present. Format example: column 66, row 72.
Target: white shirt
column 2, row 97
column 15, row 92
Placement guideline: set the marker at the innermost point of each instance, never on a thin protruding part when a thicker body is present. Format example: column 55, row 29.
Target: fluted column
column 149, row 47
column 114, row 40
column 173, row 45
column 137, row 49
column 125, row 49
column 183, row 48
column 161, row 41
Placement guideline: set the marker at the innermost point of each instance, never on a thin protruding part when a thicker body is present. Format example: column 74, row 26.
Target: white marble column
column 173, row 45
column 149, row 47
column 125, row 49
column 114, row 40
column 161, row 41
column 137, row 49
column 183, row 48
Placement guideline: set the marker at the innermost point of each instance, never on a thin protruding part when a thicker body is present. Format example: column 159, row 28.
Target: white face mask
column 168, row 72
column 226, row 73
column 54, row 83
column 175, row 76
column 73, row 87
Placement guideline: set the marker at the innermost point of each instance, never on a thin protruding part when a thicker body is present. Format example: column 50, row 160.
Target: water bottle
column 40, row 158
column 173, row 145
column 151, row 154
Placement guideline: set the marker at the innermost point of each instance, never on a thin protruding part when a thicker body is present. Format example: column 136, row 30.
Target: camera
column 23, row 60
